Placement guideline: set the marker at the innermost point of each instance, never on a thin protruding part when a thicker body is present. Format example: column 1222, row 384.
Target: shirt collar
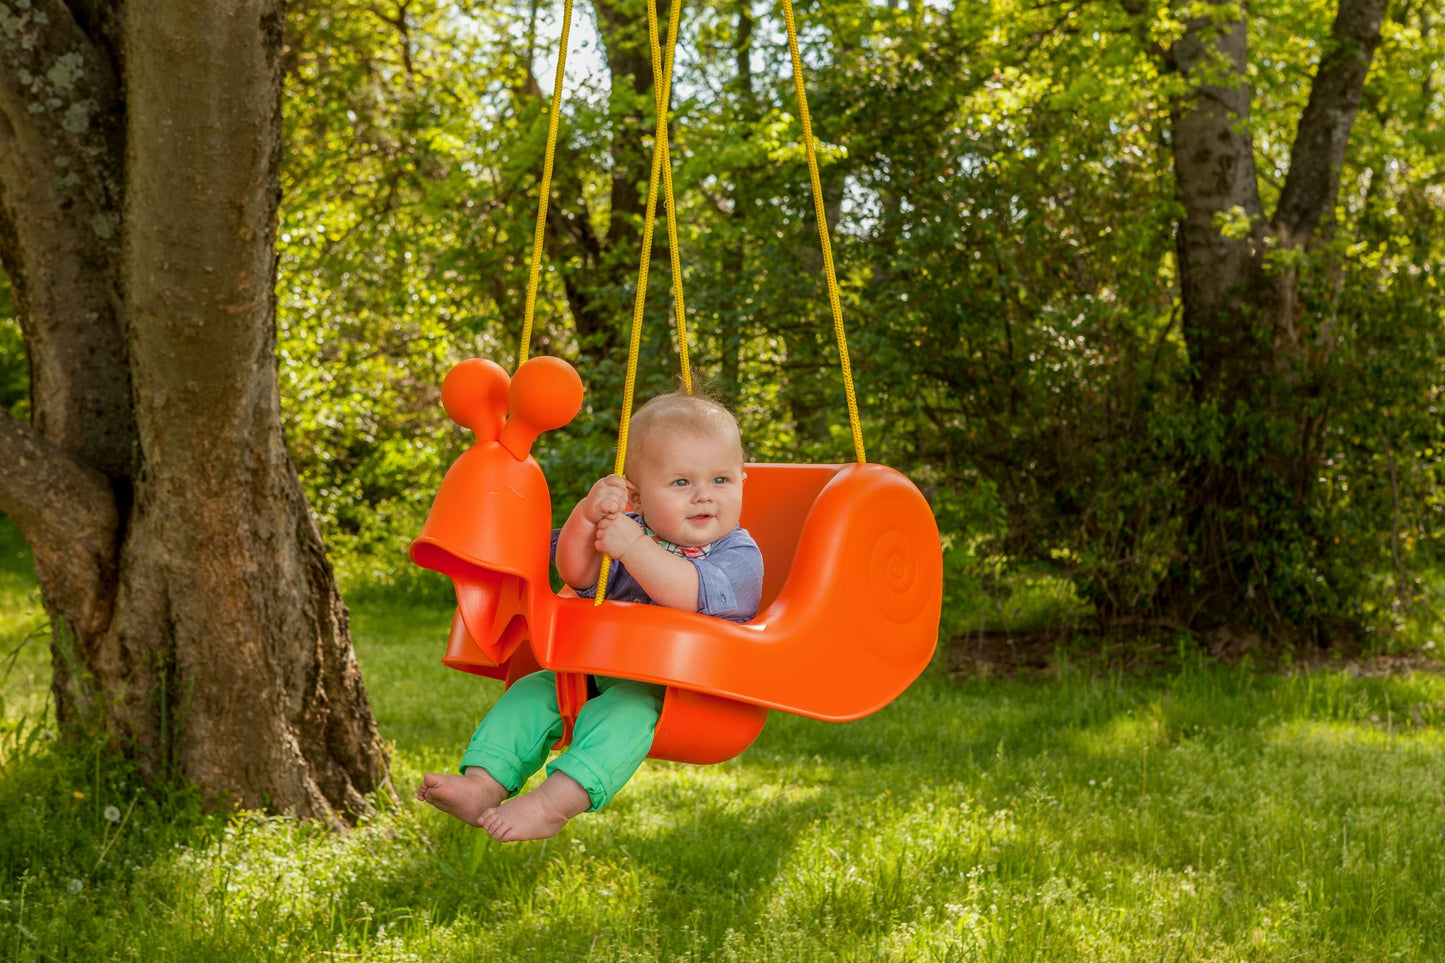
column 690, row 551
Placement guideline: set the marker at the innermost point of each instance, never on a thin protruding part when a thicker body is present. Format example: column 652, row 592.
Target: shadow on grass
column 663, row 865
column 940, row 723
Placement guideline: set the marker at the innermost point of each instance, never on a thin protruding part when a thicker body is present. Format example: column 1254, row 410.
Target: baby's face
column 689, row 487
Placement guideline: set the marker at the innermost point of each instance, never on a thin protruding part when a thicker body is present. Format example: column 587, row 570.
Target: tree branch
column 68, row 515
column 1324, row 127
column 59, row 92
column 60, row 170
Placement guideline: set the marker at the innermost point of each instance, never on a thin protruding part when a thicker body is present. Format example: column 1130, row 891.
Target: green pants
column 611, row 737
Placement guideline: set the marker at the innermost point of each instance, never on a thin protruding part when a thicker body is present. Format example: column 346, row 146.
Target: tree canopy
column 1009, row 187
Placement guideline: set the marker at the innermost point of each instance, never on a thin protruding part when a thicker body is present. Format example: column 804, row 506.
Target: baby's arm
column 668, row 579
column 579, row 557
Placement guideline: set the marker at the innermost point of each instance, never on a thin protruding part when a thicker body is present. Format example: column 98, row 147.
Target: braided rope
column 662, row 80
column 679, row 307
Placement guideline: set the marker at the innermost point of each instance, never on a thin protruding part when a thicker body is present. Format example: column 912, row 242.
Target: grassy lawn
column 1203, row 813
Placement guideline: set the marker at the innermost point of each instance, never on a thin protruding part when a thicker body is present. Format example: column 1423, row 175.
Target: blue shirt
column 729, row 577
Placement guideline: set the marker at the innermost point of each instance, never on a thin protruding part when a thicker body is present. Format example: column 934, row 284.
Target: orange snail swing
column 852, row 559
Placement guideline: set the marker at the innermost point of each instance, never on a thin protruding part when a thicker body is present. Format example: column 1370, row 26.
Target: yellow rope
column 661, row 97
column 535, row 271
column 662, row 80
column 821, row 213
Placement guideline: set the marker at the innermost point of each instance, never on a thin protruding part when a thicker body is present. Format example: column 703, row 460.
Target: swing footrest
column 703, row 729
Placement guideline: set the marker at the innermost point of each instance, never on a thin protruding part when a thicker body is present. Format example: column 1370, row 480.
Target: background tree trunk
column 195, row 619
column 1248, row 336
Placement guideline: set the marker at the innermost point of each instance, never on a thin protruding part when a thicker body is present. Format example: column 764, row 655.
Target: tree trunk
column 1254, row 347
column 195, row 620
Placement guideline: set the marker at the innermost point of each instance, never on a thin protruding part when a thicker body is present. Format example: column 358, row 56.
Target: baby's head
column 667, row 417
column 685, row 468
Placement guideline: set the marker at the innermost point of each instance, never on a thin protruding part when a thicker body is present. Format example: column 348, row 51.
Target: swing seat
column 853, row 582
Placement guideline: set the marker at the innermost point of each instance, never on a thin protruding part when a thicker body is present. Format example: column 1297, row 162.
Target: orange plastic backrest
column 776, row 502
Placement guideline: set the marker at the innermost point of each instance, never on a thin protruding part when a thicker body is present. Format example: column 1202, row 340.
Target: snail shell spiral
column 893, row 577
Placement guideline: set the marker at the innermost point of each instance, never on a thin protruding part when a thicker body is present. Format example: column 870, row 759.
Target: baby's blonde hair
column 679, row 412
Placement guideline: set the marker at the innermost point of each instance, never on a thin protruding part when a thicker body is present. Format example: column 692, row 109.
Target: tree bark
column 61, row 156
column 1313, row 181
column 1254, row 346
column 1215, row 173
column 196, row 622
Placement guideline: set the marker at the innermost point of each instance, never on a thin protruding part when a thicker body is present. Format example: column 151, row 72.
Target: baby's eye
column 721, row 480
column 679, row 482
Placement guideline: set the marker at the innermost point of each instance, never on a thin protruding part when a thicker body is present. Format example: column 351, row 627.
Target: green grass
column 24, row 660
column 1203, row 813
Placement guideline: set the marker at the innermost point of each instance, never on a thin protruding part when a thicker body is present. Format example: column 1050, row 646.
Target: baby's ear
column 631, row 493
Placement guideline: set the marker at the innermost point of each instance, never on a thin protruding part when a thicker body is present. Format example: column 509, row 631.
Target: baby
column 681, row 547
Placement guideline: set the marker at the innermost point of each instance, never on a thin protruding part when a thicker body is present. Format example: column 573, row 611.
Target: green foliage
column 999, row 182
column 24, row 635
column 1022, row 275
column 376, row 299
column 14, row 374
column 1027, row 330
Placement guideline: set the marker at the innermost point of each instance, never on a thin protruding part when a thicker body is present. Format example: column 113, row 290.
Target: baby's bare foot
column 539, row 814
column 466, row 797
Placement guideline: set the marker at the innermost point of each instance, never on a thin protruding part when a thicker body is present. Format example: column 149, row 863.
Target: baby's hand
column 608, row 497
column 616, row 534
